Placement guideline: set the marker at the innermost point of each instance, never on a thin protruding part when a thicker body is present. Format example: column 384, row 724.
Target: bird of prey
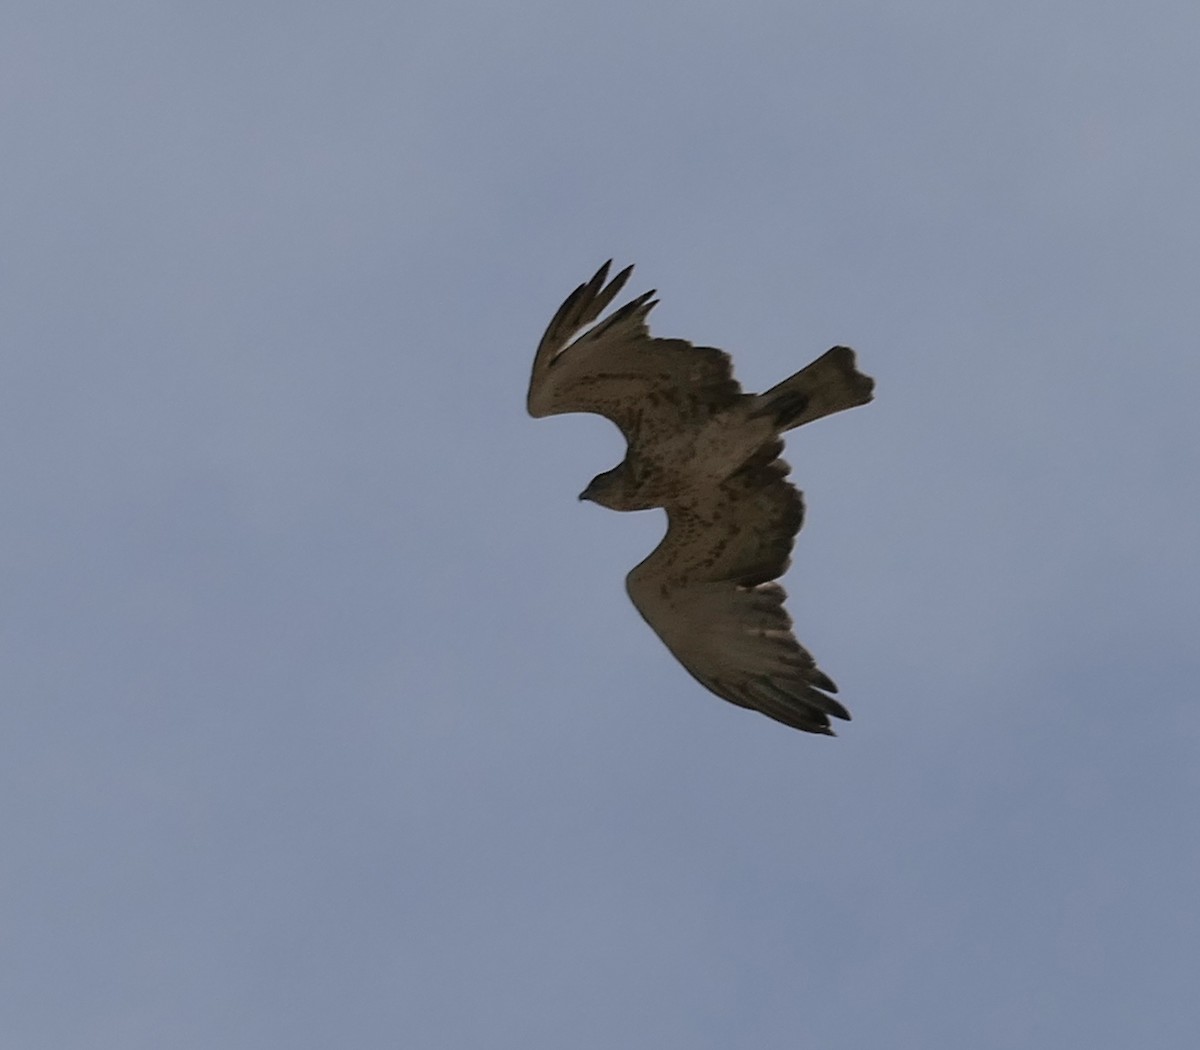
column 709, row 455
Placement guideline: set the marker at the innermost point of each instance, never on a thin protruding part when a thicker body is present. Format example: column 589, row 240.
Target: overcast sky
column 326, row 721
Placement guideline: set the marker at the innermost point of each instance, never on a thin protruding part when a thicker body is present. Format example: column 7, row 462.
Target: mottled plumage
column 709, row 455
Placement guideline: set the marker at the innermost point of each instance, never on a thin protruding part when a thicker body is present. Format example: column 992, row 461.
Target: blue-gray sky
column 326, row 720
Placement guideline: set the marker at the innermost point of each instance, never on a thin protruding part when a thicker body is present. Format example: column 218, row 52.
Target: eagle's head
column 612, row 489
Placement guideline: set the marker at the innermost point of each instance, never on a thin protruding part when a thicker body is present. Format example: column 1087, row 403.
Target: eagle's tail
column 830, row 384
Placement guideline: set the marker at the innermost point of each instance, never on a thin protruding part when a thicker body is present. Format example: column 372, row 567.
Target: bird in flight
column 709, row 455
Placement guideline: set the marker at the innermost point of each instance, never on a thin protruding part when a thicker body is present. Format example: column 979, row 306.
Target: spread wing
column 707, row 591
column 617, row 370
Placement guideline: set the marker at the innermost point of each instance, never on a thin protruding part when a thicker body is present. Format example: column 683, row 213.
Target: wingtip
column 617, row 283
column 838, row 711
column 822, row 681
column 599, row 279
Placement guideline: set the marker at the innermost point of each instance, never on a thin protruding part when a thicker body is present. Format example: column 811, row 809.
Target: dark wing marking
column 617, row 370
column 707, row 591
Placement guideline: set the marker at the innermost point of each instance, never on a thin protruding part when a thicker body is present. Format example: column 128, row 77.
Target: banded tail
column 830, row 384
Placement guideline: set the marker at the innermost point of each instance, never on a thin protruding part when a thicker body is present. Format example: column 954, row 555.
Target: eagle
column 709, row 455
